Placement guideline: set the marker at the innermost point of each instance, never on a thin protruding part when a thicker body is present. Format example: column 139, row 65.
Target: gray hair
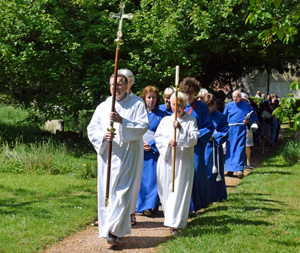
column 168, row 91
column 128, row 74
column 200, row 94
column 181, row 97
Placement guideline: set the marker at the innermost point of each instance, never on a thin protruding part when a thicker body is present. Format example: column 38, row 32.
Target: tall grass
column 27, row 149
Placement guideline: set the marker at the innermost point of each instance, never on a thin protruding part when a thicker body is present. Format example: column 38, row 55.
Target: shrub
column 291, row 152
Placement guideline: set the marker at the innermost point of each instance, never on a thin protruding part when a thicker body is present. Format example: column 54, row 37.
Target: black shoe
column 147, row 212
column 229, row 174
column 112, row 239
column 174, row 231
column 192, row 214
column 240, row 174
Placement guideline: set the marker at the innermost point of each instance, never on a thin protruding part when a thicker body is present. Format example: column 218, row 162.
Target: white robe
column 139, row 173
column 124, row 161
column 176, row 204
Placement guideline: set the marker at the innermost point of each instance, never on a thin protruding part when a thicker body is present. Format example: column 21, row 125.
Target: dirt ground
column 148, row 233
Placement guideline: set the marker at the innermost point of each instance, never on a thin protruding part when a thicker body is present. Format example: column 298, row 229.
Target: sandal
column 133, row 219
column 95, row 223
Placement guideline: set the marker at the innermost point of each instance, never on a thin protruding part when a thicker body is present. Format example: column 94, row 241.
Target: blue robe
column 163, row 108
column 236, row 143
column 217, row 190
column 148, row 195
column 205, row 127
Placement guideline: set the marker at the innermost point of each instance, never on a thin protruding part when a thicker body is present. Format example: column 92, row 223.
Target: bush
column 291, row 152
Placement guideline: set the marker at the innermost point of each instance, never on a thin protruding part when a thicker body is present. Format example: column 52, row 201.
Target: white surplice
column 124, row 161
column 176, row 204
column 139, row 173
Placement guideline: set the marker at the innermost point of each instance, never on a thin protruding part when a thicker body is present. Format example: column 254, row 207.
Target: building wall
column 279, row 84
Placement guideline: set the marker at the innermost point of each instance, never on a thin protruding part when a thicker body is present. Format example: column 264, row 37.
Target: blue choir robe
column 205, row 127
column 217, row 189
column 236, row 144
column 148, row 195
column 163, row 108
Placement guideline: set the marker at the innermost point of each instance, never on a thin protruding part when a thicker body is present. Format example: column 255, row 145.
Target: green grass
column 27, row 149
column 37, row 210
column 260, row 215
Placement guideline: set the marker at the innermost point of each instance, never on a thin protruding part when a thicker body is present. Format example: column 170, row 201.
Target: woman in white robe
column 130, row 121
column 176, row 204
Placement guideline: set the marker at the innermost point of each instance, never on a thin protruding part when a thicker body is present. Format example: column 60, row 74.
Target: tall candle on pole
column 175, row 115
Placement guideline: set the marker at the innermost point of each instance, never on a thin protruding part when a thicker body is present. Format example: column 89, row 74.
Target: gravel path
column 147, row 234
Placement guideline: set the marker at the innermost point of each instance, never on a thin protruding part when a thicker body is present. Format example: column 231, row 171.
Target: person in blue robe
column 148, row 199
column 214, row 160
column 199, row 110
column 235, row 113
column 166, row 106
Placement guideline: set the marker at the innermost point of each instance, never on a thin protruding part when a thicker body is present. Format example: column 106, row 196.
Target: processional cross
column 121, row 16
column 119, row 42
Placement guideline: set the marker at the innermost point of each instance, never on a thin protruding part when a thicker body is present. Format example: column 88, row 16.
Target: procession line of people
column 145, row 137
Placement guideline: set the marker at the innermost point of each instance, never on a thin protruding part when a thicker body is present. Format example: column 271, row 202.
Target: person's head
column 258, row 93
column 269, row 97
column 121, row 86
column 201, row 94
column 181, row 103
column 263, row 95
column 236, row 96
column 129, row 75
column 190, row 87
column 210, row 100
column 151, row 97
column 167, row 95
column 244, row 97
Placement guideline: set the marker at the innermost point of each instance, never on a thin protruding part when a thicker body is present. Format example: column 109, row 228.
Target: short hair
column 209, row 99
column 190, row 84
column 181, row 97
column 168, row 92
column 238, row 93
column 128, row 74
column 124, row 78
column 149, row 89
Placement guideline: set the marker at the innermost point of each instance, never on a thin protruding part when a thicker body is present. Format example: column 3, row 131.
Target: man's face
column 190, row 96
column 120, row 88
column 236, row 97
column 167, row 101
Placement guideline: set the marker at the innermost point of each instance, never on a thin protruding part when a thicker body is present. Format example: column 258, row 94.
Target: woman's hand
column 147, row 147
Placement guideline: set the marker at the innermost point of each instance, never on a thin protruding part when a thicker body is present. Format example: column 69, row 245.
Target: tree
column 283, row 17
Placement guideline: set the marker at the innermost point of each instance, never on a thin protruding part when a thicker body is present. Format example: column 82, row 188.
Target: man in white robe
column 176, row 204
column 130, row 121
column 139, row 173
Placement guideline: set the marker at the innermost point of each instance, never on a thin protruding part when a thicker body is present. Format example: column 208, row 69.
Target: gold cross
column 121, row 16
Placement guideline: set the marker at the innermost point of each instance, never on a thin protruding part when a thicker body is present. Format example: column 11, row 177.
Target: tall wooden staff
column 118, row 42
column 175, row 115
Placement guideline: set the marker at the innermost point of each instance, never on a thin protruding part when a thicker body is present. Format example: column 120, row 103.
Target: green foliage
column 26, row 149
column 283, row 18
column 291, row 152
column 257, row 100
column 289, row 107
column 61, row 53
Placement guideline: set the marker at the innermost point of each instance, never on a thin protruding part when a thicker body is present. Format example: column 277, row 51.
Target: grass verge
column 260, row 215
column 37, row 210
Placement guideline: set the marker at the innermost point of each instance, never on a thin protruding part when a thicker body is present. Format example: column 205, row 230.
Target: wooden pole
column 175, row 115
column 118, row 42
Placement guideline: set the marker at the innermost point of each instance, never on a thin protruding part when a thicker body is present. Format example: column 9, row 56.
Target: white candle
column 177, row 76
